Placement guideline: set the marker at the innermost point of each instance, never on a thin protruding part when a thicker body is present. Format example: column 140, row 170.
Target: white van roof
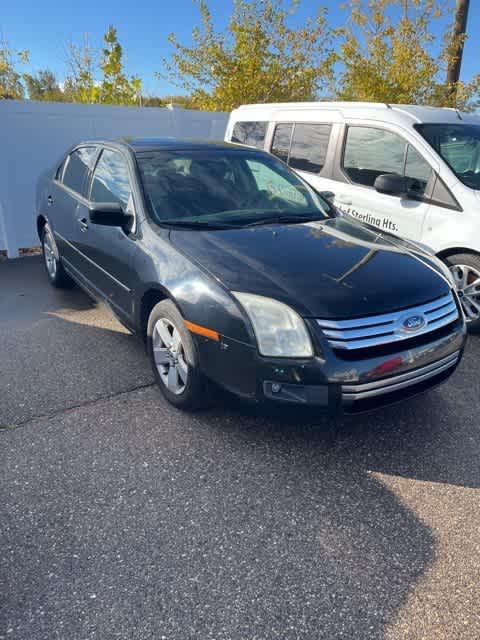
column 401, row 114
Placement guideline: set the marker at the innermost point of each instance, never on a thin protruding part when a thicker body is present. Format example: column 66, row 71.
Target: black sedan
column 236, row 272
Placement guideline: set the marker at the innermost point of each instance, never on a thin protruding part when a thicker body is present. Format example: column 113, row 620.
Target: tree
column 116, row 88
column 80, row 85
column 257, row 58
column 43, row 86
column 387, row 55
column 11, row 87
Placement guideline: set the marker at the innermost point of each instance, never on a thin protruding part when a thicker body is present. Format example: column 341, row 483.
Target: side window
column 250, row 133
column 309, row 147
column 281, row 141
column 111, row 180
column 370, row 152
column 418, row 169
column 78, row 164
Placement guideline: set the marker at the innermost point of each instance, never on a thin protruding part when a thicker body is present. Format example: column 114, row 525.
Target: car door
column 369, row 151
column 108, row 250
column 63, row 199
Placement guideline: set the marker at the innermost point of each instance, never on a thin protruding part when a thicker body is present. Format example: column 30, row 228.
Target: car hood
column 337, row 268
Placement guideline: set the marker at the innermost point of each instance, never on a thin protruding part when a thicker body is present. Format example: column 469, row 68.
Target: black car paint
column 336, row 268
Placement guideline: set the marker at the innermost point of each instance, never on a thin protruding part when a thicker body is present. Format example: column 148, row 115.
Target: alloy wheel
column 169, row 356
column 467, row 281
column 49, row 253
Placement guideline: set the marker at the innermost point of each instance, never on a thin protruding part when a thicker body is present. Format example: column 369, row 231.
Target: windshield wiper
column 286, row 219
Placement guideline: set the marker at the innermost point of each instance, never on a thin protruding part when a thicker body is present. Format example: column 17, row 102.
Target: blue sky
column 45, row 27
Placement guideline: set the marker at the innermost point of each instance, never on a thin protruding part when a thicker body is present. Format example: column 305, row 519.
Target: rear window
column 77, row 167
column 250, row 133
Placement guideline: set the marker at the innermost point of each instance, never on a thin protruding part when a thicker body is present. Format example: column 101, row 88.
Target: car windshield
column 459, row 146
column 225, row 188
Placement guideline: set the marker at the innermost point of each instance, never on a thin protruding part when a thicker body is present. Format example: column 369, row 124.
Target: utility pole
column 458, row 40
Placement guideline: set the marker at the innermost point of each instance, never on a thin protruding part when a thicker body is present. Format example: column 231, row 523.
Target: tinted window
column 309, row 147
column 251, row 133
column 111, row 181
column 77, row 167
column 281, row 141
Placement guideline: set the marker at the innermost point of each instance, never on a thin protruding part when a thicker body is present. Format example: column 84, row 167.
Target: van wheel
column 174, row 359
column 57, row 275
column 465, row 268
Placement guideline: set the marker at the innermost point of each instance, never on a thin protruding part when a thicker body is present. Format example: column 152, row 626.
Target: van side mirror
column 109, row 214
column 392, row 184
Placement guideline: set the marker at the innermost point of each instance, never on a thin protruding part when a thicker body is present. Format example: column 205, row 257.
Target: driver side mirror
column 392, row 184
column 109, row 214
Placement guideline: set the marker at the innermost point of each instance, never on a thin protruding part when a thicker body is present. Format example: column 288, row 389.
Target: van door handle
column 343, row 199
column 83, row 222
column 49, row 201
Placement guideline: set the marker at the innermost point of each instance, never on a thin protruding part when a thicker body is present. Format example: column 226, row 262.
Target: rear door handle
column 49, row 201
column 83, row 222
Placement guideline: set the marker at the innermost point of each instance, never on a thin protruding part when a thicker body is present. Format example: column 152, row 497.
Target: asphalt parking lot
column 123, row 518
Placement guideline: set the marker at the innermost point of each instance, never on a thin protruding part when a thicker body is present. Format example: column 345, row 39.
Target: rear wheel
column 465, row 269
column 57, row 275
column 174, row 359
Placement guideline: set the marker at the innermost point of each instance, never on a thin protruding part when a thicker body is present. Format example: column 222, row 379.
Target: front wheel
column 174, row 359
column 465, row 269
column 57, row 275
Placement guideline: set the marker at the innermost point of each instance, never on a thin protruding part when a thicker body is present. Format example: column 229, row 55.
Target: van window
column 251, row 133
column 370, row 152
column 309, row 147
column 281, row 141
column 77, row 167
column 459, row 146
column 418, row 169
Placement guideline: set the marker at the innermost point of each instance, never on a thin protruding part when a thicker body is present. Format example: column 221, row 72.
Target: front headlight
column 279, row 330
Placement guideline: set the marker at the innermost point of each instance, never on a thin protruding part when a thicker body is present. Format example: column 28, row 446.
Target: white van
column 409, row 170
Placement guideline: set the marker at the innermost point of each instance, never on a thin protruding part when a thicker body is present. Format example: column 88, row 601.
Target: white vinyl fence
column 34, row 135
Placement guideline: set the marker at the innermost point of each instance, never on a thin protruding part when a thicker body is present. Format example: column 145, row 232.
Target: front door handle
column 49, row 201
column 83, row 222
column 343, row 199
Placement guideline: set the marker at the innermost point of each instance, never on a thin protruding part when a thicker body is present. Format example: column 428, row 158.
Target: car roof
column 402, row 114
column 139, row 145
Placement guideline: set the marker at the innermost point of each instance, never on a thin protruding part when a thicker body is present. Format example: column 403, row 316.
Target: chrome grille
column 353, row 392
column 384, row 329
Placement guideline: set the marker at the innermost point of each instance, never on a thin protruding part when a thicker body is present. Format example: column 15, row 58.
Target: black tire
column 196, row 393
column 469, row 260
column 57, row 276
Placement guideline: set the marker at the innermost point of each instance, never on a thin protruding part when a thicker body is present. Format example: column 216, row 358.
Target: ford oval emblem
column 414, row 323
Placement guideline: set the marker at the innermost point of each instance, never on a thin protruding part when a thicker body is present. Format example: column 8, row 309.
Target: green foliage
column 43, row 86
column 258, row 58
column 115, row 87
column 11, row 86
column 387, row 55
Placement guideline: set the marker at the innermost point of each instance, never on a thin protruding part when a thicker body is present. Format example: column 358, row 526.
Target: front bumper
column 332, row 382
